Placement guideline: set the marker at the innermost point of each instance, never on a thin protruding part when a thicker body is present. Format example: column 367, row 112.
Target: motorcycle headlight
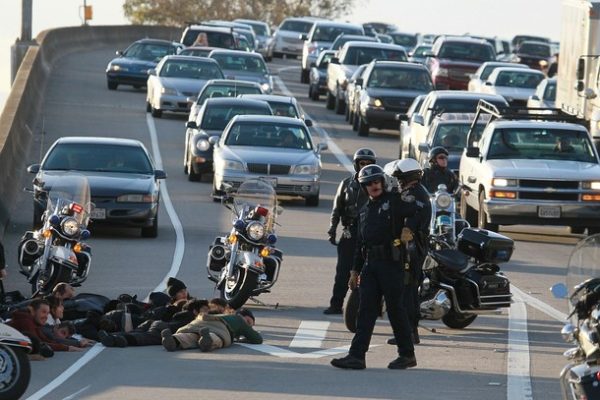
column 70, row 227
column 168, row 91
column 255, row 230
column 203, row 145
column 307, row 169
column 443, row 200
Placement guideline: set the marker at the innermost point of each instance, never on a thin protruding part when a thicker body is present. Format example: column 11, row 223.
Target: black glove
column 332, row 238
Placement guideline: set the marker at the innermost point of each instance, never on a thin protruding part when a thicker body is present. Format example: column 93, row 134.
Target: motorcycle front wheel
column 57, row 274
column 15, row 372
column 351, row 310
column 456, row 320
column 239, row 289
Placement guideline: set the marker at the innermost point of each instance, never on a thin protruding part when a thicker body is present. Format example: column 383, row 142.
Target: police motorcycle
column 15, row 370
column 580, row 378
column 245, row 263
column 461, row 274
column 56, row 252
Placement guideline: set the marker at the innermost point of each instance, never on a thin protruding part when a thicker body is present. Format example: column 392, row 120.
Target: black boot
column 403, row 362
column 349, row 362
column 106, row 339
column 333, row 310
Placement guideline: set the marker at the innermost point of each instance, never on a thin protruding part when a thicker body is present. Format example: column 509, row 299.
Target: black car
column 132, row 65
column 317, row 81
column 388, row 89
column 213, row 117
column 123, row 182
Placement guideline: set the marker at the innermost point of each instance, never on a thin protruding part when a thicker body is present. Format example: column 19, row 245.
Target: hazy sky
column 503, row 18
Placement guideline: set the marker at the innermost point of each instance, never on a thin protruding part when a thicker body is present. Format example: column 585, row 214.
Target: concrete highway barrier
column 19, row 120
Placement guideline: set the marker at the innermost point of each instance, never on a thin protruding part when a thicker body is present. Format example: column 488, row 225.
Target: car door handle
column 471, row 179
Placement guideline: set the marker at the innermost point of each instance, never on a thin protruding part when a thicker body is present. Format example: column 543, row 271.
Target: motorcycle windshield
column 258, row 192
column 71, row 195
column 584, row 264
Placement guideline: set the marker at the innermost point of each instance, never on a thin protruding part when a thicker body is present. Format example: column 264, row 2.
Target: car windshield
column 421, row 50
column 190, row 69
column 324, row 60
column 517, row 40
column 247, row 34
column 216, row 117
column 259, row 29
column 515, row 79
column 270, row 134
column 195, row 52
column 534, row 49
column 229, row 90
column 466, row 51
column 296, row 26
column 550, row 92
column 329, row 33
column 404, row 40
column 241, row 62
column 400, row 78
column 98, row 157
column 541, row 144
column 215, row 39
column 454, row 136
column 487, row 71
column 149, row 51
column 451, row 105
column 364, row 55
column 340, row 41
column 283, row 109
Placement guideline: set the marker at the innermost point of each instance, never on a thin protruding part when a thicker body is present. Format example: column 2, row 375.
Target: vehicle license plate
column 272, row 181
column 98, row 213
column 549, row 212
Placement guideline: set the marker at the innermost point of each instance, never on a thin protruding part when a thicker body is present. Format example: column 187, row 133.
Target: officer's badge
column 408, row 198
column 385, row 206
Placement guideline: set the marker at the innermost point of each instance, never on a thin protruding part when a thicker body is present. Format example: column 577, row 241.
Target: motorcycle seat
column 451, row 259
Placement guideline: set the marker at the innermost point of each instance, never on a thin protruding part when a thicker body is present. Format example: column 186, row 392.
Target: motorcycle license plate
column 549, row 211
column 98, row 213
column 272, row 181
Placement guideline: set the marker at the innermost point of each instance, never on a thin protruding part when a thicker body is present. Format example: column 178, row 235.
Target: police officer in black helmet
column 378, row 259
column 349, row 199
column 438, row 172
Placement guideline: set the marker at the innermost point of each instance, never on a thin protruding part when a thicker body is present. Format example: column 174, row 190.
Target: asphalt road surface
column 486, row 360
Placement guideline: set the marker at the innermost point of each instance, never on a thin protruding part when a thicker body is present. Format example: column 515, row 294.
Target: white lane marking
column 287, row 69
column 518, row 386
column 285, row 353
column 540, row 305
column 74, row 395
column 310, row 334
column 175, row 265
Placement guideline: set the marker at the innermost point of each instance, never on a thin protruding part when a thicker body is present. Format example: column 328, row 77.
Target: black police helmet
column 363, row 154
column 436, row 151
column 370, row 173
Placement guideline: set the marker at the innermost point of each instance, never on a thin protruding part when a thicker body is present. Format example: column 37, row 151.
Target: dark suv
column 453, row 59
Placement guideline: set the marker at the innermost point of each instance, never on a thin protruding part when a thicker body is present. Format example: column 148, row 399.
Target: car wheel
column 268, row 59
column 363, row 127
column 37, row 216
column 310, row 91
column 304, row 75
column 593, row 230
column 315, row 94
column 577, row 230
column 216, row 194
column 148, row 106
column 151, row 231
column 112, row 85
column 347, row 113
column 340, row 104
column 482, row 216
column 313, row 201
column 276, row 55
column 329, row 104
column 193, row 176
column 355, row 122
column 156, row 113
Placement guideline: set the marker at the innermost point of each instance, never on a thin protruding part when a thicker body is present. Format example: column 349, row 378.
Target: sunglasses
column 442, row 157
column 364, row 163
column 372, row 183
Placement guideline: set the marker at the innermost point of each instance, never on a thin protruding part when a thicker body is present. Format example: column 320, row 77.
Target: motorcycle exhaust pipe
column 217, row 252
column 31, row 247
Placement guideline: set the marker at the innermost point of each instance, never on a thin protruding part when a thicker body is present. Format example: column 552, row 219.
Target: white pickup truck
column 534, row 171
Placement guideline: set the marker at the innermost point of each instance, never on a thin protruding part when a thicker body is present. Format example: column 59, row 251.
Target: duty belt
column 379, row 253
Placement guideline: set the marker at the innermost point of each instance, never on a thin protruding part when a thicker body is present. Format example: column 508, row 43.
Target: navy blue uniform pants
column 345, row 250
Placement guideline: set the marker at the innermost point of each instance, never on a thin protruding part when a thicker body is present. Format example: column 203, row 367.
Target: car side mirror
column 589, row 94
column 308, row 123
column 119, row 53
column 423, row 147
column 152, row 72
column 535, row 97
column 322, row 147
column 214, row 140
column 473, row 152
column 418, row 119
column 160, row 174
column 359, row 81
column 334, row 60
column 488, row 83
column 33, row 168
column 303, row 36
column 401, row 117
column 191, row 125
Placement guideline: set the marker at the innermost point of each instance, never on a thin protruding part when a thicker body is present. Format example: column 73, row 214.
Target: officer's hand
column 406, row 235
column 353, row 281
column 332, row 238
column 3, row 273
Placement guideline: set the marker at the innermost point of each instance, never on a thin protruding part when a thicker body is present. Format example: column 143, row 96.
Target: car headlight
column 136, row 198
column 503, row 182
column 168, row 91
column 233, row 165
column 255, row 230
column 306, row 169
column 591, row 185
column 442, row 72
column 70, row 227
column 202, row 145
column 443, row 200
column 116, row 67
column 265, row 87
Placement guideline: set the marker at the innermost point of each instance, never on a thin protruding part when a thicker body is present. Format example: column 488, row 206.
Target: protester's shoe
column 333, row 310
column 120, row 341
column 205, row 343
column 403, row 362
column 392, row 341
column 46, row 351
column 106, row 339
column 168, row 341
column 349, row 362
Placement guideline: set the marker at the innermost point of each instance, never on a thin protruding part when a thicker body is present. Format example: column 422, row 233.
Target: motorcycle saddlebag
column 485, row 246
column 493, row 288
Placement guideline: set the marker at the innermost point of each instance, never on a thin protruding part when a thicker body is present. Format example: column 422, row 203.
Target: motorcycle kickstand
column 260, row 303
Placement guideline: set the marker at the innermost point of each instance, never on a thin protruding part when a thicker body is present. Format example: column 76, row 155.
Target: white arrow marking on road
column 310, row 334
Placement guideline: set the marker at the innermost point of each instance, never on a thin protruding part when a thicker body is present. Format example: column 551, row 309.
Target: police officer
column 438, row 171
column 349, row 199
column 409, row 173
column 378, row 259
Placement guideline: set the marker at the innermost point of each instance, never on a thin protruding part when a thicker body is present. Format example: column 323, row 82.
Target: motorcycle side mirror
column 278, row 210
column 559, row 291
column 568, row 332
